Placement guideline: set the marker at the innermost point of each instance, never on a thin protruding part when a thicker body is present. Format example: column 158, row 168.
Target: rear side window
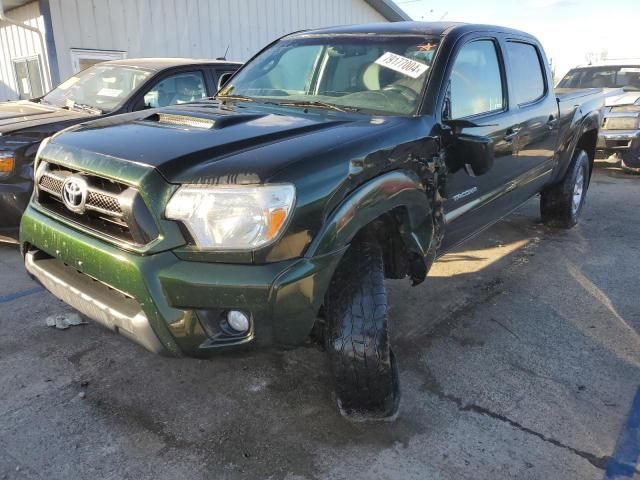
column 476, row 81
column 527, row 73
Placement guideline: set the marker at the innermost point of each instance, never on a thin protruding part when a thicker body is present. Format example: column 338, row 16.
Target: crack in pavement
column 598, row 462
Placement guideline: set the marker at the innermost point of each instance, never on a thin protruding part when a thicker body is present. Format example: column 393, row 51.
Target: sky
column 570, row 30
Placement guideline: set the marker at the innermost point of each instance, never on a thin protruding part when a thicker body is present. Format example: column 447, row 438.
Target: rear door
column 478, row 91
column 534, row 106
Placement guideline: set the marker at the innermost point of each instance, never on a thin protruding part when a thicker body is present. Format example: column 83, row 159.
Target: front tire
column 561, row 204
column 366, row 378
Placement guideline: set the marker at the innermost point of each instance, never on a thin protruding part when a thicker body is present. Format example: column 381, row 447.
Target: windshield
column 602, row 77
column 376, row 73
column 100, row 87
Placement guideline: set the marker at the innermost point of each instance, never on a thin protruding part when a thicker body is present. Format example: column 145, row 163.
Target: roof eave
column 389, row 10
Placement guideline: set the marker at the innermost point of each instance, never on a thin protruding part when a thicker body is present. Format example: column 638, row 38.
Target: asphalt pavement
column 519, row 358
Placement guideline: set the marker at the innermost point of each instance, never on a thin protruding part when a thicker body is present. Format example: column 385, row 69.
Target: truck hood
column 21, row 115
column 214, row 142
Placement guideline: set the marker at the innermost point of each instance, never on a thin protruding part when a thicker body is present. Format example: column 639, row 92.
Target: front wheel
column 366, row 379
column 561, row 204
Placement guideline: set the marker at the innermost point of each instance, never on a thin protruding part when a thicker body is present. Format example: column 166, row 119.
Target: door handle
column 511, row 134
column 551, row 122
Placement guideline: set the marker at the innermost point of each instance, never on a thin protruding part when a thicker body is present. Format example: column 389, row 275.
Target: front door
column 478, row 92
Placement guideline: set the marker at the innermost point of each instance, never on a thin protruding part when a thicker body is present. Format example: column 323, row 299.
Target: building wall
column 191, row 28
column 15, row 43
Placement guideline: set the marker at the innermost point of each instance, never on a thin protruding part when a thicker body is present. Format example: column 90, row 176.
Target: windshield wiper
column 316, row 104
column 87, row 108
column 235, row 97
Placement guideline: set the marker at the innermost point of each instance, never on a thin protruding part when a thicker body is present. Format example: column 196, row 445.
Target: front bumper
column 622, row 143
column 155, row 299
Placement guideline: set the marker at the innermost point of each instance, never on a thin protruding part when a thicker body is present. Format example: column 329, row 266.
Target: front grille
column 104, row 202
column 52, row 182
column 112, row 210
column 617, row 143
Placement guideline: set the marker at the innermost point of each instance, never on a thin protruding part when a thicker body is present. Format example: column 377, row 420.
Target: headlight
column 7, row 163
column 232, row 217
column 621, row 123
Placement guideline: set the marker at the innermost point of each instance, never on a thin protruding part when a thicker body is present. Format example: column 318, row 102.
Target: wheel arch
column 586, row 138
column 396, row 209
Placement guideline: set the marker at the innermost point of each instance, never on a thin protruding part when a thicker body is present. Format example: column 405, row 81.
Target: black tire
column 357, row 340
column 559, row 205
column 630, row 161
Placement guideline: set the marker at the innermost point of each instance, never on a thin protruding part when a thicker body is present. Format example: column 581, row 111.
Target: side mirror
column 474, row 153
column 224, row 78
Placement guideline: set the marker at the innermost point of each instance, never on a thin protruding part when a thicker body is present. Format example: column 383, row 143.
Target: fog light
column 237, row 320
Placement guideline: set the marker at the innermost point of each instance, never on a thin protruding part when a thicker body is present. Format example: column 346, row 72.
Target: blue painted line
column 17, row 295
column 625, row 457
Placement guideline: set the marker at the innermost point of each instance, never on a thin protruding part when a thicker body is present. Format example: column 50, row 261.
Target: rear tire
column 357, row 340
column 561, row 204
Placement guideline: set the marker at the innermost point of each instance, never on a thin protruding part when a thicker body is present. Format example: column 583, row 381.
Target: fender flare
column 589, row 122
column 380, row 195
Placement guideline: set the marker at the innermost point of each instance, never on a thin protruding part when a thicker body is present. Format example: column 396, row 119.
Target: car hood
column 627, row 98
column 214, row 142
column 21, row 115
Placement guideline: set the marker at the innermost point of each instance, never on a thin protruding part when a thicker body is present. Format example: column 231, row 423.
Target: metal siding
column 191, row 28
column 16, row 42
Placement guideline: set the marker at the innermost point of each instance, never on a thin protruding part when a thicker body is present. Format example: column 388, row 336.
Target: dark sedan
column 108, row 88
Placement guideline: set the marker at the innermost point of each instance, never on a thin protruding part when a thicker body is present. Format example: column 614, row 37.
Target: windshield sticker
column 70, row 103
column 630, row 70
column 109, row 92
column 68, row 83
column 401, row 64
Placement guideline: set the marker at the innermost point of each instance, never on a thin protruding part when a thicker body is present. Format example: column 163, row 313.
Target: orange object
column 7, row 164
column 276, row 219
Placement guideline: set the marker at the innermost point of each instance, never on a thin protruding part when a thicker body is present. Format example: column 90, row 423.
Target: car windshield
column 603, row 77
column 374, row 73
column 99, row 88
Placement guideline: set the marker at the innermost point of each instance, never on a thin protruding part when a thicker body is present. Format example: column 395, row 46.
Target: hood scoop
column 202, row 122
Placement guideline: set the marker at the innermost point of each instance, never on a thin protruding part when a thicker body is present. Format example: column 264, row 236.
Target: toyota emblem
column 74, row 193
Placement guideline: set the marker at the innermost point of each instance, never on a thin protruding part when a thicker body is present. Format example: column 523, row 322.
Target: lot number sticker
column 401, row 64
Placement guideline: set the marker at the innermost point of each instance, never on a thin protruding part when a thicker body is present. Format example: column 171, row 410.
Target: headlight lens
column 621, row 123
column 232, row 217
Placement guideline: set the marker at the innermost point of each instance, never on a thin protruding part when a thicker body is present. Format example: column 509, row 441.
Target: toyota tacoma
column 273, row 213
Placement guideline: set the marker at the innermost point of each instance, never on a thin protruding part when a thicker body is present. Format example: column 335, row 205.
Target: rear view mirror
column 224, row 78
column 474, row 153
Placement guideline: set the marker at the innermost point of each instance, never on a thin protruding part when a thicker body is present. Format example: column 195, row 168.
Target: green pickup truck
column 273, row 213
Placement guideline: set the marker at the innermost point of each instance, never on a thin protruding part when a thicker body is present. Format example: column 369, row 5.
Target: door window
column 527, row 74
column 28, row 77
column 476, row 81
column 179, row 88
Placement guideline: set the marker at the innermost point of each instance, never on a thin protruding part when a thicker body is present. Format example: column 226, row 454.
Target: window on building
column 179, row 88
column 82, row 59
column 528, row 79
column 29, row 77
column 476, row 81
